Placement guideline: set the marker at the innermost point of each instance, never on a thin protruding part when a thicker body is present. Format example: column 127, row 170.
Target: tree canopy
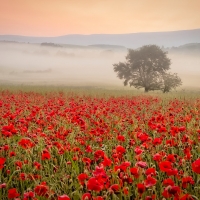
column 171, row 81
column 147, row 68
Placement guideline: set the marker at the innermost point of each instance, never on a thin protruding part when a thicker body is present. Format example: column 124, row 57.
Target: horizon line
column 100, row 33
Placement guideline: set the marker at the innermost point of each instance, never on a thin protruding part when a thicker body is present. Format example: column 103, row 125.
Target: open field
column 92, row 143
column 99, row 100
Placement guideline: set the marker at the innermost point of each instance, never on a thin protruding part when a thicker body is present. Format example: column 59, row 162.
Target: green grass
column 99, row 91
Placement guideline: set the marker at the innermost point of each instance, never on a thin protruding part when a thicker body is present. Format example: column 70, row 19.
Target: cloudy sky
column 61, row 17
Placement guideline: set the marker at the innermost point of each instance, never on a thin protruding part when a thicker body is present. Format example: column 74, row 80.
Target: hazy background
column 37, row 64
column 52, row 64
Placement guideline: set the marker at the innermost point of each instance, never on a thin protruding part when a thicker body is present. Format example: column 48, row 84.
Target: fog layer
column 22, row 63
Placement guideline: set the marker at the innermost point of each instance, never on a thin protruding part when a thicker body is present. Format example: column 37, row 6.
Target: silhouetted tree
column 144, row 68
column 171, row 81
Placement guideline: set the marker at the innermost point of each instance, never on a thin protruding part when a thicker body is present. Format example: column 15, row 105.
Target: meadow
column 96, row 144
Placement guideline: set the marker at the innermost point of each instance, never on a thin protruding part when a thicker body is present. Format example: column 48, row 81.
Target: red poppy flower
column 99, row 154
column 157, row 141
column 93, row 184
column 115, row 187
column 150, row 181
column 141, row 188
column 37, row 165
column 135, row 172
column 168, row 182
column 182, row 128
column 86, row 196
column 3, row 185
column 142, row 136
column 174, row 190
column 12, row 193
column 12, row 153
column 88, row 149
column 99, row 171
column 187, row 152
column 187, row 197
column 172, row 172
column 187, row 180
column 131, row 142
column 123, row 166
column 171, row 158
column 22, row 176
column 6, row 147
column 120, row 149
column 121, row 138
column 26, row 143
column 125, row 190
column 18, row 164
column 141, row 164
column 150, row 171
column 63, row 197
column 171, row 143
column 46, row 155
column 2, row 161
column 196, row 166
column 42, row 190
column 75, row 158
column 165, row 166
column 150, row 197
column 87, row 161
column 29, row 195
column 171, row 191
column 106, row 161
column 82, row 177
column 157, row 157
column 138, row 151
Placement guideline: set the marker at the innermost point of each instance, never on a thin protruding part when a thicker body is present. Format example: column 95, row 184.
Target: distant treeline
column 50, row 44
column 187, row 47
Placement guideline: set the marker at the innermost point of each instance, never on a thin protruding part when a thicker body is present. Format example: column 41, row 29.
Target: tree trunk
column 146, row 89
column 165, row 90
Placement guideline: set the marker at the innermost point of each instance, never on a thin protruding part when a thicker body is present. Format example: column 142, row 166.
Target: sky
column 62, row 17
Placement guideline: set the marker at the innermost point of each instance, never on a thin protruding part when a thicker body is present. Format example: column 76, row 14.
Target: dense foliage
column 57, row 146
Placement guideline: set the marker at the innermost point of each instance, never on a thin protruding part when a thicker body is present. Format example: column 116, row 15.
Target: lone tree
column 171, row 81
column 146, row 68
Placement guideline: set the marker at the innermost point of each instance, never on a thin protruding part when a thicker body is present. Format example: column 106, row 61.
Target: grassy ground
column 100, row 91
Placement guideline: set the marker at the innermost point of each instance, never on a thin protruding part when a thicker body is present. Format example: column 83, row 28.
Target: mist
column 70, row 65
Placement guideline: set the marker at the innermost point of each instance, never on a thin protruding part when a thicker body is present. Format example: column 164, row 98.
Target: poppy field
column 61, row 146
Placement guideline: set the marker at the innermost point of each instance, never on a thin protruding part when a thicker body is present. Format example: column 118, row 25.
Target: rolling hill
column 132, row 40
